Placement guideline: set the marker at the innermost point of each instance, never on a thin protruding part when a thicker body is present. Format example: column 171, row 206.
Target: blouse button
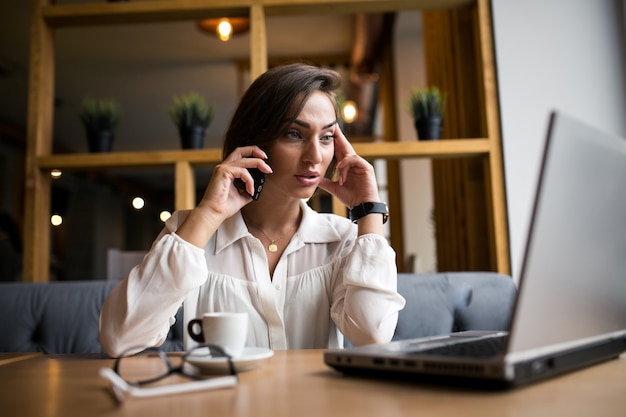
column 278, row 287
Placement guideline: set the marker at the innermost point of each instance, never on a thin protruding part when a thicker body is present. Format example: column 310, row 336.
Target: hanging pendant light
column 226, row 27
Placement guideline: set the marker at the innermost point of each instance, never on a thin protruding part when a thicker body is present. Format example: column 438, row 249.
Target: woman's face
column 302, row 153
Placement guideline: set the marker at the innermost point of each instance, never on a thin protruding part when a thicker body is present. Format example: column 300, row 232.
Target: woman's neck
column 271, row 217
column 274, row 225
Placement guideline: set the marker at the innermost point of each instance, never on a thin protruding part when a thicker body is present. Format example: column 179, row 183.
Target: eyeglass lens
column 153, row 365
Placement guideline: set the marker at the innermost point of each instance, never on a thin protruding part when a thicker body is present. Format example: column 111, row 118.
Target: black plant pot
column 428, row 129
column 192, row 137
column 100, row 140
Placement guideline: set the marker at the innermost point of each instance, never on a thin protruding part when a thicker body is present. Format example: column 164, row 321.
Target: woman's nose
column 312, row 152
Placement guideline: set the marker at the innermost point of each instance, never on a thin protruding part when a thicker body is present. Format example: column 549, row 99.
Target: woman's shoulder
column 339, row 222
column 328, row 224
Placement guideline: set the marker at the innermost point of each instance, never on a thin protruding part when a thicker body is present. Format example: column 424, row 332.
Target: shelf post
column 258, row 41
column 496, row 183
column 36, row 257
column 185, row 186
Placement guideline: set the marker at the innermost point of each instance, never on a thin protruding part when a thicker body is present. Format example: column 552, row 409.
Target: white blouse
column 328, row 283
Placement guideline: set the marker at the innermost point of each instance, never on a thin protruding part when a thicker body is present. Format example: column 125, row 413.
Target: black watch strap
column 364, row 209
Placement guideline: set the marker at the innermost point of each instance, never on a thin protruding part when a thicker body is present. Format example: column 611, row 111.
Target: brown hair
column 273, row 101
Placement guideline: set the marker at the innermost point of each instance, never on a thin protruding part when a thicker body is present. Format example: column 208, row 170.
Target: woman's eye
column 327, row 138
column 293, row 134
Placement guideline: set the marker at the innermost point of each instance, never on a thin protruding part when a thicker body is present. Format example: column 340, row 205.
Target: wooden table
column 297, row 383
column 10, row 357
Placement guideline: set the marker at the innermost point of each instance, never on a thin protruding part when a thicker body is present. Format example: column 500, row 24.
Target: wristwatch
column 364, row 209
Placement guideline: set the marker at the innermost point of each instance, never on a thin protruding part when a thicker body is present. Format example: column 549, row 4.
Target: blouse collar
column 314, row 228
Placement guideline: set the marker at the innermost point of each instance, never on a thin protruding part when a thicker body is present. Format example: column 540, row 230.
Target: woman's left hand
column 356, row 182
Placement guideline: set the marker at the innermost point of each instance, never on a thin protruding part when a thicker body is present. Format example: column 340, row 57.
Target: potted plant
column 192, row 115
column 100, row 118
column 427, row 107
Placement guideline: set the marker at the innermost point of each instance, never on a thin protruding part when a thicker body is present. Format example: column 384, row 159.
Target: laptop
column 570, row 310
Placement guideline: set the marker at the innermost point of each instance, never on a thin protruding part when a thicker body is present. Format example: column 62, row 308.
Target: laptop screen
column 573, row 280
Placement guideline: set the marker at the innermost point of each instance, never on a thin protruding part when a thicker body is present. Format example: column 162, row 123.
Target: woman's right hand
column 221, row 198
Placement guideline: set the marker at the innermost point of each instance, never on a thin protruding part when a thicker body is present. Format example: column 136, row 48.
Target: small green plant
column 100, row 114
column 427, row 102
column 191, row 110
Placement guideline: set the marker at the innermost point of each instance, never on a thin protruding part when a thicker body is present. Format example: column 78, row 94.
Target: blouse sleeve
column 139, row 312
column 365, row 298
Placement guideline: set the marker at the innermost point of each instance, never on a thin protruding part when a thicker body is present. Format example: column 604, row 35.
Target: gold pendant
column 272, row 247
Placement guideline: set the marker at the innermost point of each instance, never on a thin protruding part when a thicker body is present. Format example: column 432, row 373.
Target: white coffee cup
column 225, row 329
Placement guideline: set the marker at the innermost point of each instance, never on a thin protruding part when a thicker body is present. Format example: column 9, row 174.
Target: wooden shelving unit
column 385, row 150
column 40, row 159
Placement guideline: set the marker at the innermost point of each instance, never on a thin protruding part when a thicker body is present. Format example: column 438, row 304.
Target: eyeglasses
column 150, row 372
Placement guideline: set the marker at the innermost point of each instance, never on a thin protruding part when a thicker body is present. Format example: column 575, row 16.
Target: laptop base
column 481, row 375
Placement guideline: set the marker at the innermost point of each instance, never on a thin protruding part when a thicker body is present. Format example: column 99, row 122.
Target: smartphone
column 259, row 180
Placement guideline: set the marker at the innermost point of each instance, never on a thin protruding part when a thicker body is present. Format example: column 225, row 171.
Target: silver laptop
column 570, row 310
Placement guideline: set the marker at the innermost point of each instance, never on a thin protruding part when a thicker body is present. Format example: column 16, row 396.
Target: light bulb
column 224, row 30
column 138, row 203
column 349, row 111
column 165, row 215
column 56, row 220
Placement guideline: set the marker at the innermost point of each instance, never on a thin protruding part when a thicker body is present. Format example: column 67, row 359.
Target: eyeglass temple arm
column 120, row 386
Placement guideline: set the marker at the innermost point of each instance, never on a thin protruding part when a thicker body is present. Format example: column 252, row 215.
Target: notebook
column 570, row 310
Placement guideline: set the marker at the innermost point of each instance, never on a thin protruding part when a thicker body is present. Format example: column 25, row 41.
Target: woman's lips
column 308, row 179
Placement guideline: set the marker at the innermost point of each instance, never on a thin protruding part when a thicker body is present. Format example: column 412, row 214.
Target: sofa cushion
column 441, row 303
column 493, row 299
column 59, row 317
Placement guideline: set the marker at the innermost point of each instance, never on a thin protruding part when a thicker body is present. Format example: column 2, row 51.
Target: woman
column 305, row 279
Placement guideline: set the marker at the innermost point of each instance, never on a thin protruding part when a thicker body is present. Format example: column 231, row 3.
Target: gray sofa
column 59, row 317
column 62, row 317
column 454, row 301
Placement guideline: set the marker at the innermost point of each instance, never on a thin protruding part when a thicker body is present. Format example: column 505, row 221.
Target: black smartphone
column 259, row 180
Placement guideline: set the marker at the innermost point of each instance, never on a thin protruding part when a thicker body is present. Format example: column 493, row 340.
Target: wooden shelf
column 386, row 150
column 88, row 161
column 167, row 11
column 449, row 148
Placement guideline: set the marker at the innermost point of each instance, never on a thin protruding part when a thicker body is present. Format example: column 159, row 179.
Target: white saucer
column 249, row 359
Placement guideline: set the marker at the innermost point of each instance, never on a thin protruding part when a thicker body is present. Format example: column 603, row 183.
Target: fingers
column 251, row 163
column 244, row 164
column 356, row 181
column 248, row 157
column 231, row 184
column 346, row 156
column 246, row 152
column 343, row 147
column 244, row 183
column 328, row 186
column 347, row 163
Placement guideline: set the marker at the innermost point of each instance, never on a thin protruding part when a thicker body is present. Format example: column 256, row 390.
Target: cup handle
column 198, row 337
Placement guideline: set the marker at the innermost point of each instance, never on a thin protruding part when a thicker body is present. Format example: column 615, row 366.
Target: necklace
column 272, row 247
